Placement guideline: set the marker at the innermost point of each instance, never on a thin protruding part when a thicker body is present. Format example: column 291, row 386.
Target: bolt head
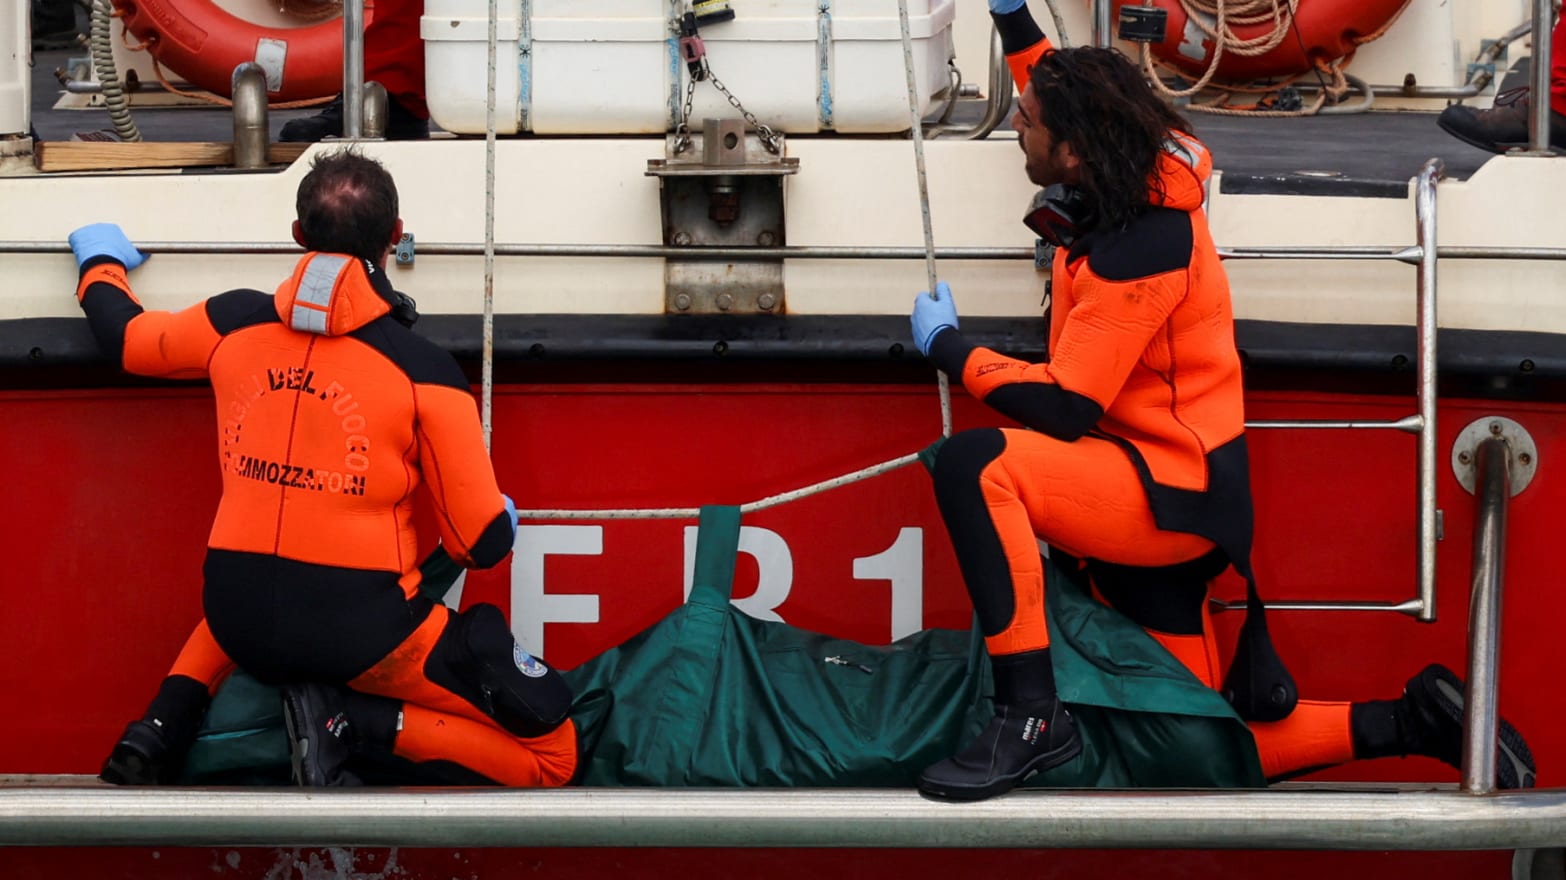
column 725, row 302
column 766, row 301
column 682, row 301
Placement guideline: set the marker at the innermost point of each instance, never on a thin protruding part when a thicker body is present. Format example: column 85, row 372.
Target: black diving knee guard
column 527, row 697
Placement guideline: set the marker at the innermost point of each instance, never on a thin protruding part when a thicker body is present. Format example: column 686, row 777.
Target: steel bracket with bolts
column 723, row 191
column 1522, row 454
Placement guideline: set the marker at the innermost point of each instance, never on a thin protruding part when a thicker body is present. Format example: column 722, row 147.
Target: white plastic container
column 15, row 71
column 613, row 66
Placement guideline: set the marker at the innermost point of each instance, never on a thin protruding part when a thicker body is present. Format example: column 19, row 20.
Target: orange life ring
column 204, row 43
column 1325, row 30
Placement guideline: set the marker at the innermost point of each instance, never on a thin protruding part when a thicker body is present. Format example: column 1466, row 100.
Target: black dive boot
column 1030, row 733
column 1428, row 720
column 401, row 124
column 152, row 750
column 320, row 739
column 141, row 757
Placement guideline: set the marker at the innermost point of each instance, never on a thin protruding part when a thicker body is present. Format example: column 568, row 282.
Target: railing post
column 248, row 89
column 1103, row 23
column 375, row 108
column 1425, row 217
column 1539, row 79
column 1481, row 724
column 1000, row 89
column 353, row 69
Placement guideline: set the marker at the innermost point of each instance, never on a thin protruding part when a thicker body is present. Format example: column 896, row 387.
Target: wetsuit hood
column 1180, row 177
column 333, row 294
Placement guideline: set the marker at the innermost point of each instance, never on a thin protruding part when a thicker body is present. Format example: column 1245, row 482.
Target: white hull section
column 846, row 194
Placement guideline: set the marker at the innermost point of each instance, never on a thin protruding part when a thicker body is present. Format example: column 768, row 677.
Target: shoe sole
column 298, row 744
column 1003, row 784
column 1489, row 147
column 128, row 769
column 1499, row 148
column 1514, row 767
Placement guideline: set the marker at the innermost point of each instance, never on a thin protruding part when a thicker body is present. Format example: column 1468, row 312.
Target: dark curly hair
column 347, row 204
column 1098, row 101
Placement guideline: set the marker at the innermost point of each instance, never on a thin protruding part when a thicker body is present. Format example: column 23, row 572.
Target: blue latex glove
column 1001, row 7
column 932, row 314
column 511, row 514
column 105, row 240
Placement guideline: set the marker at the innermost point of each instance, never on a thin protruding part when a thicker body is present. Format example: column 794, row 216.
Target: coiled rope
column 1230, row 14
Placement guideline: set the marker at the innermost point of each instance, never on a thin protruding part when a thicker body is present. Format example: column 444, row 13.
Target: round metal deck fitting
column 1523, row 460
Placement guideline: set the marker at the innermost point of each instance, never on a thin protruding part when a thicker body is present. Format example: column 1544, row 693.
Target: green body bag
column 708, row 696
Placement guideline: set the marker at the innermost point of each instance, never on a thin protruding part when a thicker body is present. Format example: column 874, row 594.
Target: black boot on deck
column 152, row 750
column 1428, row 720
column 1502, row 127
column 319, row 735
column 141, row 757
column 401, row 124
column 1030, row 733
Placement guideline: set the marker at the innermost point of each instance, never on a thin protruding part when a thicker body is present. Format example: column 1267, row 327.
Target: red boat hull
column 111, row 492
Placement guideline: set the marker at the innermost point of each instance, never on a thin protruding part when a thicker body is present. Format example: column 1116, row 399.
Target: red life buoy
column 204, row 43
column 1322, row 32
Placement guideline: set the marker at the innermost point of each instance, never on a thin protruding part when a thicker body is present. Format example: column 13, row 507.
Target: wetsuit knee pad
column 965, row 454
column 527, row 697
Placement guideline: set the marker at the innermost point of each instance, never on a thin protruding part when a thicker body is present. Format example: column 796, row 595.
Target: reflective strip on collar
column 314, row 296
column 1185, row 148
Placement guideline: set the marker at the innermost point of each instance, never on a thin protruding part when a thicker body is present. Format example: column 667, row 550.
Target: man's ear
column 1070, row 163
column 299, row 236
column 396, row 234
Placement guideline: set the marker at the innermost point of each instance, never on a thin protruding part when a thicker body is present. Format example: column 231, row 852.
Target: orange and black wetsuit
column 1136, row 461
column 329, row 415
column 1137, row 453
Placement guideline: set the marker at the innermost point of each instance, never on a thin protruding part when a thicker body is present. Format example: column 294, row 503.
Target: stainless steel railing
column 1388, row 819
column 1539, row 77
column 1422, row 423
column 353, row 69
column 1411, row 255
column 1481, row 719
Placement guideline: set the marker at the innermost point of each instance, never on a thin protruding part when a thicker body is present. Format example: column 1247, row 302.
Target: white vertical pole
column 15, row 77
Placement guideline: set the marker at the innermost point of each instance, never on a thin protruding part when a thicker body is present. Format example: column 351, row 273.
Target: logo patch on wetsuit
column 527, row 664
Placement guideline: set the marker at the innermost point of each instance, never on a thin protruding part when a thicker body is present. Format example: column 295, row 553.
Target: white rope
column 762, row 504
column 1060, row 24
column 943, row 384
column 487, row 392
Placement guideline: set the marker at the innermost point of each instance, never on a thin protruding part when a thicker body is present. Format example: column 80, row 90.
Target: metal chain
column 682, row 130
column 769, row 138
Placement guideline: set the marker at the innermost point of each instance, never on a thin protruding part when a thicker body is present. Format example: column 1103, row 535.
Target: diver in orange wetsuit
column 1134, row 461
column 330, row 414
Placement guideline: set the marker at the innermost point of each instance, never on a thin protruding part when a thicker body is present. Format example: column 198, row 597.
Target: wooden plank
column 110, row 156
